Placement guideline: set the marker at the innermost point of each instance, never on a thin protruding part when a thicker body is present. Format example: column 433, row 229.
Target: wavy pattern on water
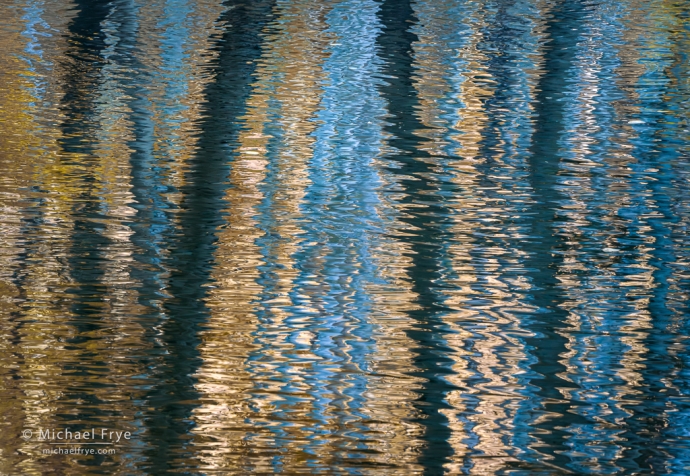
column 351, row 236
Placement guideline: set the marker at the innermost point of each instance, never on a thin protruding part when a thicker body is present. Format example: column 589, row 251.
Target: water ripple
column 346, row 237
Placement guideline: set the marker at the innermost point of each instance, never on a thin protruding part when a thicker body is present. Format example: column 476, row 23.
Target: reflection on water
column 351, row 236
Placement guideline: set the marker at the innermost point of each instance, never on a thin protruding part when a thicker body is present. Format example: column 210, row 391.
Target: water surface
column 346, row 237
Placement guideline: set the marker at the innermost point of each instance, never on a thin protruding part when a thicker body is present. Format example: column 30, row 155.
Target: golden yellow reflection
column 288, row 86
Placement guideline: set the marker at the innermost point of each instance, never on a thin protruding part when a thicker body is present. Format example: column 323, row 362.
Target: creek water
column 345, row 237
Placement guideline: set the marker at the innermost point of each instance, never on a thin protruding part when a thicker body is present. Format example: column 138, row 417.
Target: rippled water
column 346, row 237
